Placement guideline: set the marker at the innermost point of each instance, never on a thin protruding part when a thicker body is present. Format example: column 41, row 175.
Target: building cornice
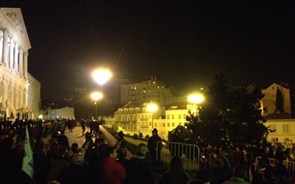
column 12, row 20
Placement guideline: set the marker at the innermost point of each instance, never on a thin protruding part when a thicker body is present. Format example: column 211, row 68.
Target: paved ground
column 76, row 137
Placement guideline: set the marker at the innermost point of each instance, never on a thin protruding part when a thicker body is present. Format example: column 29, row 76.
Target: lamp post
column 95, row 96
column 101, row 76
column 195, row 99
column 152, row 107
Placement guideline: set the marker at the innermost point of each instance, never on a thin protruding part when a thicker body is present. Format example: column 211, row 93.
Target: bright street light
column 95, row 96
column 196, row 98
column 152, row 107
column 101, row 75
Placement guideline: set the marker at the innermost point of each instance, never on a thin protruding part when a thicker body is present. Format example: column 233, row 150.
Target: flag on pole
column 27, row 166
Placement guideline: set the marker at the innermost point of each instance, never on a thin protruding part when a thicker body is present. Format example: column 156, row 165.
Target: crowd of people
column 97, row 162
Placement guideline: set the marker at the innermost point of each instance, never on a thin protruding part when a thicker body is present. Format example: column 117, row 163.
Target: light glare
column 101, row 75
column 97, row 95
column 152, row 107
column 196, row 98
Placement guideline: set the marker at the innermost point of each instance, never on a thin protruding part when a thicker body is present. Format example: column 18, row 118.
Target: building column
column 1, row 45
column 5, row 48
column 25, row 69
column 11, row 60
column 21, row 62
column 15, row 59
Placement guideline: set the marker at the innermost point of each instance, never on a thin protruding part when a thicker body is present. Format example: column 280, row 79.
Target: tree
column 229, row 117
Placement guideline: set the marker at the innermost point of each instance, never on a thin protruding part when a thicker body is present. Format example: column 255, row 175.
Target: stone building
column 145, row 91
column 19, row 91
column 270, row 100
column 136, row 119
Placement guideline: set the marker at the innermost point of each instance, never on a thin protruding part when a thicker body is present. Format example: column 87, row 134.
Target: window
column 168, row 124
column 155, row 124
column 168, row 116
column 173, row 124
column 286, row 128
column 179, row 116
column 163, row 124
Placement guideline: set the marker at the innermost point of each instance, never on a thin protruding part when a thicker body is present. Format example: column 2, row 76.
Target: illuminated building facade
column 134, row 119
column 145, row 91
column 271, row 95
column 19, row 91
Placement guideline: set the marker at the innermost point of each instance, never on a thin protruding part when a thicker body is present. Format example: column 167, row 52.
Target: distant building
column 176, row 100
column 34, row 98
column 19, row 91
column 134, row 119
column 61, row 113
column 145, row 91
column 282, row 131
column 269, row 101
column 175, row 116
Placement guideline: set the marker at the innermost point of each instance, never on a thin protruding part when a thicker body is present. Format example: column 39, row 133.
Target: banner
column 27, row 166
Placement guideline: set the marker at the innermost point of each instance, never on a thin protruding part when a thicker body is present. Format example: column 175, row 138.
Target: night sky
column 183, row 43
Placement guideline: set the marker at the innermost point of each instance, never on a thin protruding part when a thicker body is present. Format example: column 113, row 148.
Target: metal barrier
column 189, row 153
column 289, row 164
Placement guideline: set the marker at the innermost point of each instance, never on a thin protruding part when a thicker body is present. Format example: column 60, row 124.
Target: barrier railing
column 189, row 153
column 290, row 165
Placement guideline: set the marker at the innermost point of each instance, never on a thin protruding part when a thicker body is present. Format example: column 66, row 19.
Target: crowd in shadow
column 97, row 162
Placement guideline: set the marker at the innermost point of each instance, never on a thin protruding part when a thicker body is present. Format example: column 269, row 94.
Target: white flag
column 27, row 166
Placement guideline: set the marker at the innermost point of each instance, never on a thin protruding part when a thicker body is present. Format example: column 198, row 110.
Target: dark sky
column 183, row 43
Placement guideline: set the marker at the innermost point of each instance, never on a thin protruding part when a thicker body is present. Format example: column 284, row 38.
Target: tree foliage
column 229, row 117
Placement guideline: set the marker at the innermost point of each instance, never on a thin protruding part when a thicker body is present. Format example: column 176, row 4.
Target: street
column 76, row 137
